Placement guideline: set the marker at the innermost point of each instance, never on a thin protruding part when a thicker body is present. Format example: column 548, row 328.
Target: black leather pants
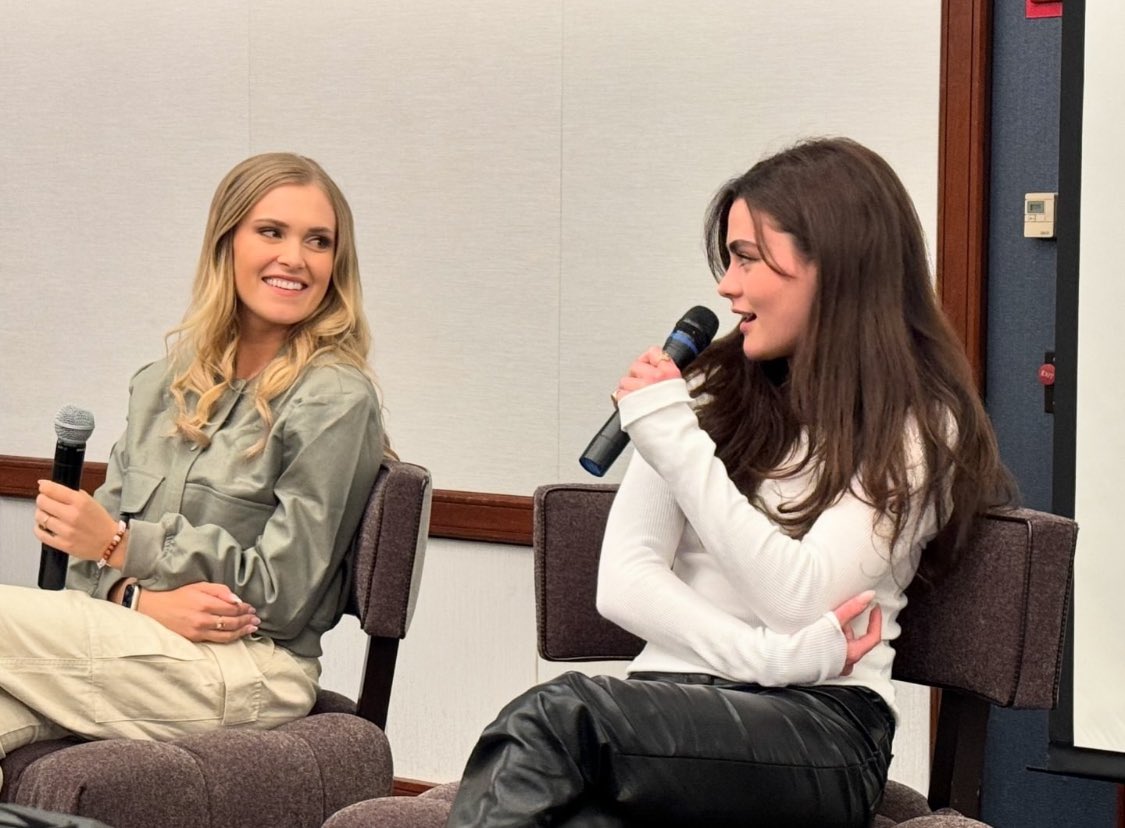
column 581, row 751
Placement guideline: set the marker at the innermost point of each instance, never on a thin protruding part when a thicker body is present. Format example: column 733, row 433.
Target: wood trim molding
column 963, row 155
column 476, row 516
column 410, row 787
column 18, row 475
column 479, row 516
column 963, row 143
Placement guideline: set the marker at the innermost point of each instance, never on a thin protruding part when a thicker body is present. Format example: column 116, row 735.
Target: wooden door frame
column 963, row 170
column 963, row 155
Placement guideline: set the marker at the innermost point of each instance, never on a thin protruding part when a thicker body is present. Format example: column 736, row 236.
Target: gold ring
column 43, row 525
column 219, row 624
column 663, row 357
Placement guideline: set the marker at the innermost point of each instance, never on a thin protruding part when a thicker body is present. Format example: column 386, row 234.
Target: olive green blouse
column 276, row 527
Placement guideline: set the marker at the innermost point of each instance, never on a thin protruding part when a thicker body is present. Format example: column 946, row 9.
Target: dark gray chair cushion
column 430, row 810
column 17, row 816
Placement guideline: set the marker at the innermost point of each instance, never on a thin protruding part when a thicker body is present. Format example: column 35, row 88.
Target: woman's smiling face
column 283, row 254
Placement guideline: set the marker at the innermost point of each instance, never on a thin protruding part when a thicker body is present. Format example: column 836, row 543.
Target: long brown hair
column 879, row 357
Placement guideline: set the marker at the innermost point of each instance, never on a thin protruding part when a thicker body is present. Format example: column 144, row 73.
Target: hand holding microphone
column 691, row 335
column 654, row 365
column 67, row 520
column 76, row 524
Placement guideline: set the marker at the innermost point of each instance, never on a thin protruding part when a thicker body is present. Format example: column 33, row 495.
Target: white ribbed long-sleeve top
column 714, row 586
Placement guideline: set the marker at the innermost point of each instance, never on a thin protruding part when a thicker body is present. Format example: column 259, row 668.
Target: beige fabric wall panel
column 529, row 182
column 470, row 649
column 19, row 551
column 1099, row 568
column 660, row 109
column 441, row 122
column 118, row 119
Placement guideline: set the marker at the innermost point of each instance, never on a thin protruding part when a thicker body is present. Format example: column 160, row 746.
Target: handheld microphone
column 691, row 335
column 73, row 425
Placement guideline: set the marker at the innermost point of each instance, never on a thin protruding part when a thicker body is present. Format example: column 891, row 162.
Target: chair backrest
column 992, row 628
column 386, row 560
column 989, row 633
column 569, row 521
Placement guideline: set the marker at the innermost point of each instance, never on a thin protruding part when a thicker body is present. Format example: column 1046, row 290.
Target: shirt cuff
column 146, row 543
column 834, row 644
column 644, row 401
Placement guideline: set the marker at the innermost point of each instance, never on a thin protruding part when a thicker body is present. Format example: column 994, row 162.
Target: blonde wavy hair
column 203, row 347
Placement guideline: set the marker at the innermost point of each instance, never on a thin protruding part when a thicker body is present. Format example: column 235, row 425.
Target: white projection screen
column 1088, row 729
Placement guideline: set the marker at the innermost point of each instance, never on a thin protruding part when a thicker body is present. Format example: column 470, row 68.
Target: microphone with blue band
column 691, row 335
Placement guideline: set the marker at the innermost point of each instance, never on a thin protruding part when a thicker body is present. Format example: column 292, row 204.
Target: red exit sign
column 1044, row 8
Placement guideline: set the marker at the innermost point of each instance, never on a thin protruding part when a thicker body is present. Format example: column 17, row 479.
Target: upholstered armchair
column 989, row 634
column 296, row 775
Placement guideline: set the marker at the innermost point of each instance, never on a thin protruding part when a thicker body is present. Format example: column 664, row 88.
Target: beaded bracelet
column 113, row 542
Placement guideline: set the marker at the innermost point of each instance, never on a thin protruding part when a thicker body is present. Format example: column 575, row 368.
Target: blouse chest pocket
column 137, row 489
column 243, row 519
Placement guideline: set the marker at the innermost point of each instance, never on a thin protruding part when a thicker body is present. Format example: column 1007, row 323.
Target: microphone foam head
column 74, row 425
column 701, row 323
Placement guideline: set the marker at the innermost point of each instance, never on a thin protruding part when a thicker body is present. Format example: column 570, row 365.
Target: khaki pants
column 70, row 663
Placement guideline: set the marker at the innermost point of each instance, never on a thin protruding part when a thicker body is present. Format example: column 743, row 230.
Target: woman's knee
column 561, row 691
column 41, row 623
column 564, row 707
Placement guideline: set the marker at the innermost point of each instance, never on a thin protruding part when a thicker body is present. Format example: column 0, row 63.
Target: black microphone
column 691, row 335
column 73, row 425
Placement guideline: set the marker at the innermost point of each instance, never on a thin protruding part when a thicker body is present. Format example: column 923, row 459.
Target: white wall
column 1099, row 567
column 529, row 182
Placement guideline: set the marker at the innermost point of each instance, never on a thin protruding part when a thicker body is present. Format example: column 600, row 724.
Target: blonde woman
column 205, row 570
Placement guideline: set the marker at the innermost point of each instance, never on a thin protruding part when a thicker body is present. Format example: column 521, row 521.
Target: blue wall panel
column 1021, row 318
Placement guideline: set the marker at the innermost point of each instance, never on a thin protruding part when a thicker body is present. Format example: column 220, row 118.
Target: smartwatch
column 131, row 596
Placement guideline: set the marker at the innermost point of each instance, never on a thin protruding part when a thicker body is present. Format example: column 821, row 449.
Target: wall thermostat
column 1039, row 215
